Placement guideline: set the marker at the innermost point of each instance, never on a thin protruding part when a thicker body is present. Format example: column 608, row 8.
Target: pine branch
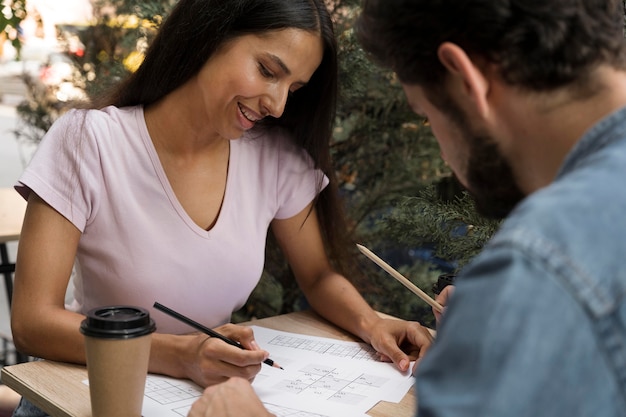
column 454, row 228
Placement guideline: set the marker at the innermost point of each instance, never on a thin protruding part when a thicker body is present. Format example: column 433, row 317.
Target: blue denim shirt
column 537, row 324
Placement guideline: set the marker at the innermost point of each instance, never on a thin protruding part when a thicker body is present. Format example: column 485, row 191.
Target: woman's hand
column 212, row 360
column 442, row 299
column 233, row 398
column 400, row 341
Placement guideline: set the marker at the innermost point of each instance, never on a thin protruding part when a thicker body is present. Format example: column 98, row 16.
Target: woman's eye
column 264, row 71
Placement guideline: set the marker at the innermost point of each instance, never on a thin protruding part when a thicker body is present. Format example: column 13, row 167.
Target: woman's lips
column 249, row 114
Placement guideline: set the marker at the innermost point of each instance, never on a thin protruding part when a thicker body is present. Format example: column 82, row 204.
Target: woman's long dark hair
column 195, row 29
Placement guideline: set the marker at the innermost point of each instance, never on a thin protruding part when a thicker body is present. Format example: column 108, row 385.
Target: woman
column 8, row 401
column 166, row 193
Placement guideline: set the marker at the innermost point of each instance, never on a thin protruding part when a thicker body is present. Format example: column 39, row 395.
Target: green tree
column 12, row 14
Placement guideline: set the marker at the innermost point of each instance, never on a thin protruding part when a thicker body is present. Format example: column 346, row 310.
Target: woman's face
column 250, row 77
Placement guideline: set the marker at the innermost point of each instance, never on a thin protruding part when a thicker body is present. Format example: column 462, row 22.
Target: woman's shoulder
column 113, row 115
column 91, row 118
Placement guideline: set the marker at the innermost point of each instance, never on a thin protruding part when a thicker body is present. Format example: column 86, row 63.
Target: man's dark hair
column 537, row 44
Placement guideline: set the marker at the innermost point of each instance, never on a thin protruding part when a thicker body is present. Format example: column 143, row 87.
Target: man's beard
column 490, row 178
column 489, row 175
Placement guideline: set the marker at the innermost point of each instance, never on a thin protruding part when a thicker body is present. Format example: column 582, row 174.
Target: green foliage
column 386, row 294
column 116, row 42
column 153, row 10
column 12, row 14
column 453, row 226
column 37, row 113
column 382, row 149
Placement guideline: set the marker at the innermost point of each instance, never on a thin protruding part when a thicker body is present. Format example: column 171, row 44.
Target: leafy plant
column 11, row 15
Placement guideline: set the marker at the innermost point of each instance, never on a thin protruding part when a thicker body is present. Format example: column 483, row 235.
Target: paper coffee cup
column 117, row 345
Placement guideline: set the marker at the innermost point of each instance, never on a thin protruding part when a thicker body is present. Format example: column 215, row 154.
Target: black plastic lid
column 443, row 281
column 117, row 322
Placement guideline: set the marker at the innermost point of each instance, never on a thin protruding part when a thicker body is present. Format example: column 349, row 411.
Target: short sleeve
column 65, row 169
column 298, row 180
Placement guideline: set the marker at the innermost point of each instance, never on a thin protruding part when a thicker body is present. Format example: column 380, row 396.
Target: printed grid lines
column 360, row 351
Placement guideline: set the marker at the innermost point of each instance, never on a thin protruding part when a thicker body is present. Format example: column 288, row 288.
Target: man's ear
column 467, row 80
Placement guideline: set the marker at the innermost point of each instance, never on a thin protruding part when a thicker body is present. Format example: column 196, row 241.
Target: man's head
column 537, row 44
column 530, row 45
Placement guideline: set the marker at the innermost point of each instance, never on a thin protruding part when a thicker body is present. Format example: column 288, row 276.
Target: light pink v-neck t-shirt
column 138, row 244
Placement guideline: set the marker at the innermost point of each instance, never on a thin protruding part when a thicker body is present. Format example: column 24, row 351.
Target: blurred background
column 42, row 59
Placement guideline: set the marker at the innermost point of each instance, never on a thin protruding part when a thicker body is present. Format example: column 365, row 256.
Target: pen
column 206, row 330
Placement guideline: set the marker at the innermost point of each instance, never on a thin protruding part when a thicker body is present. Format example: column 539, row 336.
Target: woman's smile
column 249, row 114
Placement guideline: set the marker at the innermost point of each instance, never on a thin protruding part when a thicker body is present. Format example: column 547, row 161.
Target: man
column 527, row 100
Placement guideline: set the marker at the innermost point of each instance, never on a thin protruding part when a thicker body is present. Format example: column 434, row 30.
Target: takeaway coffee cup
column 117, row 344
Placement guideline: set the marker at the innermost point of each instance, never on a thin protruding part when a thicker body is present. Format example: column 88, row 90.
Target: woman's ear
column 467, row 80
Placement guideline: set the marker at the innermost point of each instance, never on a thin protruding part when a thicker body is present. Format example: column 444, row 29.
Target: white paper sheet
column 322, row 377
column 325, row 375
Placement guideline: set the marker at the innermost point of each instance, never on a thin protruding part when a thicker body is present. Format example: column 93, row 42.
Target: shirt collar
column 608, row 130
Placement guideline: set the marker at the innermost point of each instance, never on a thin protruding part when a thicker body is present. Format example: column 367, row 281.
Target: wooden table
column 57, row 388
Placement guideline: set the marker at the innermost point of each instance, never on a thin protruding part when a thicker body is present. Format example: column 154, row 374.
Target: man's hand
column 442, row 299
column 233, row 398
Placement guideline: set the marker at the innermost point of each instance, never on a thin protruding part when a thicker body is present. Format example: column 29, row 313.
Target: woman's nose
column 274, row 102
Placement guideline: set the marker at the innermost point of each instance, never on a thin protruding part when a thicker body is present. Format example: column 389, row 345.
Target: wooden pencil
column 398, row 276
